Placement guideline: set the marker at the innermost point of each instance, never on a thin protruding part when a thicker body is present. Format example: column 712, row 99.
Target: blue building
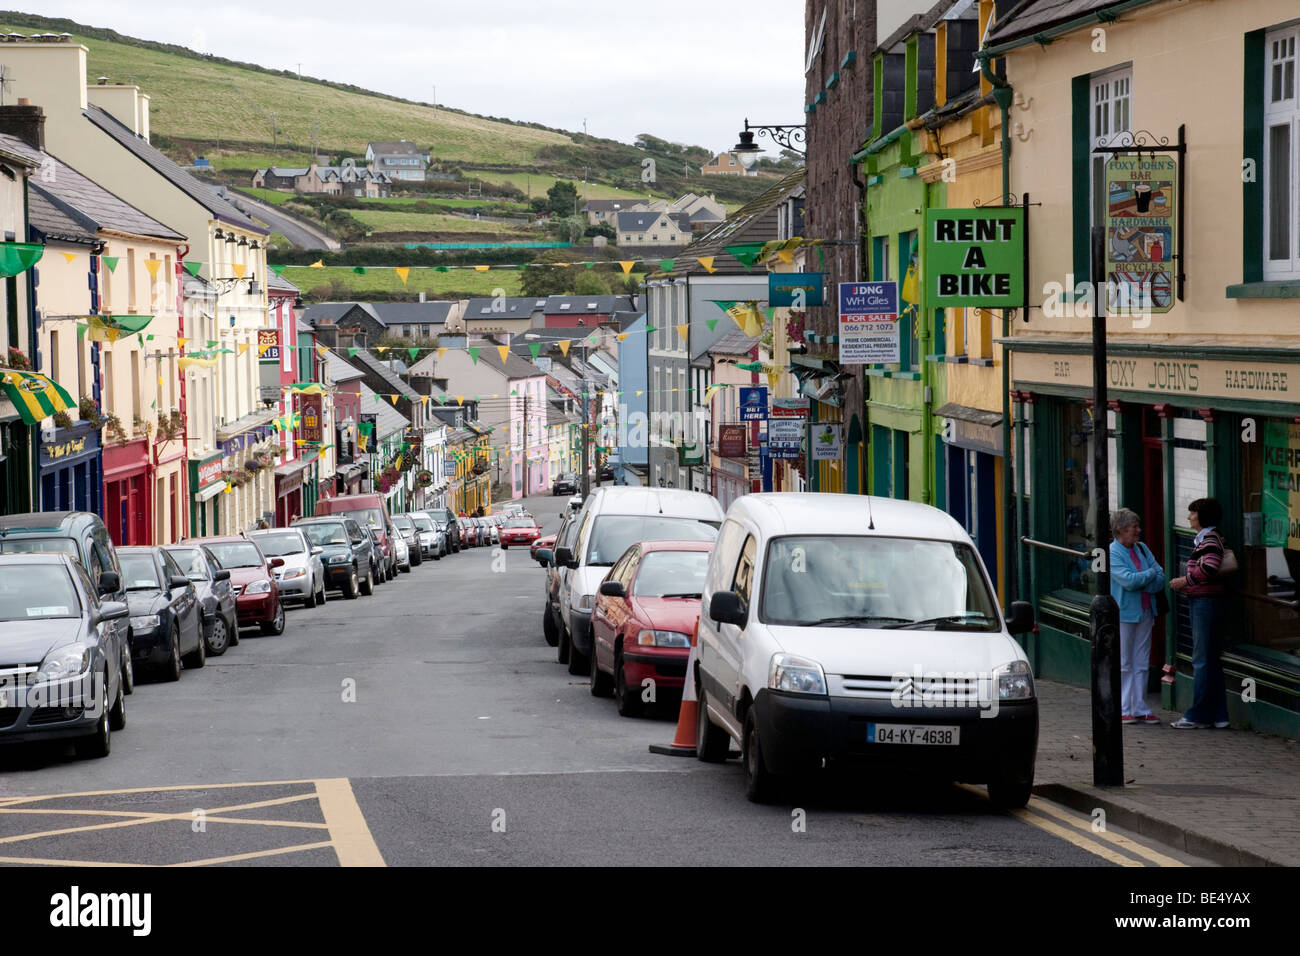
column 634, row 401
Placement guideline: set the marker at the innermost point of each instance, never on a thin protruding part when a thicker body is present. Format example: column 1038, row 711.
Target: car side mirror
column 221, row 575
column 178, row 582
column 317, row 549
column 109, row 583
column 546, row 556
column 564, row 558
column 277, row 562
column 1020, row 620
column 112, row 611
column 612, row 589
column 726, row 607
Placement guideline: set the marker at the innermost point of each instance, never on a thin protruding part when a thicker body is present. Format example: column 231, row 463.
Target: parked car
column 60, row 663
column 803, row 659
column 643, row 620
column 566, row 537
column 468, row 532
column 611, row 521
column 545, row 541
column 302, row 576
column 432, row 540
column 410, row 534
column 449, row 526
column 85, row 538
column 369, row 511
column 566, row 484
column 606, row 473
column 519, row 531
column 217, row 603
column 346, row 554
column 377, row 557
column 166, row 618
column 257, row 596
column 402, row 550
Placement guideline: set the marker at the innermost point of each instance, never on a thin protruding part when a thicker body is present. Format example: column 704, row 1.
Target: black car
column 216, row 600
column 377, row 553
column 166, row 620
column 347, row 554
column 450, row 526
column 566, row 484
column 606, row 473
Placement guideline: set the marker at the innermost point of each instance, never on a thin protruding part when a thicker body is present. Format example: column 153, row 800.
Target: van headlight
column 796, row 675
column 62, row 662
column 1015, row 681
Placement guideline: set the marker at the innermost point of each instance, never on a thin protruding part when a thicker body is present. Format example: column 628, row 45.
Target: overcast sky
column 685, row 70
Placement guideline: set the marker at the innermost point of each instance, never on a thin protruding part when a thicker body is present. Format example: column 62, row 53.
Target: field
column 386, row 220
column 272, row 197
column 464, row 282
column 537, row 184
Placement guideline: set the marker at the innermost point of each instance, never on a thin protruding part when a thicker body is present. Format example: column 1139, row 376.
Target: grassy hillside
column 343, row 282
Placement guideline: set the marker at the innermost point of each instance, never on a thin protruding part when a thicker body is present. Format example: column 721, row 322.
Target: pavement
column 1229, row 796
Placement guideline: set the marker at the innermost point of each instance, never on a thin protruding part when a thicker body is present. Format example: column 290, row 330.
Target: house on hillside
column 283, row 178
column 726, row 164
column 705, row 212
column 607, row 210
column 363, row 324
column 587, row 311
column 400, row 160
column 513, row 314
column 653, row 229
column 347, row 179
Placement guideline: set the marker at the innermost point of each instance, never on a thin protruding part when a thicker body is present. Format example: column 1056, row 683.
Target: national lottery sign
column 869, row 323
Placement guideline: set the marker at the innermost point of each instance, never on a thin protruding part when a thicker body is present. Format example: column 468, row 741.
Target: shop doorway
column 1153, row 517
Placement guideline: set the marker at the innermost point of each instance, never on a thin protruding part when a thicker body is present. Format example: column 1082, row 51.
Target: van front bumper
column 798, row 731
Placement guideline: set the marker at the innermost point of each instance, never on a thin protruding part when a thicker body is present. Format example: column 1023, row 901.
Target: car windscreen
column 423, row 524
column 403, row 523
column 236, row 555
column 39, row 546
column 440, row 515
column 279, row 545
column 192, row 562
column 671, row 574
column 867, row 581
column 521, row 523
column 28, row 592
column 611, row 535
column 326, row 533
column 139, row 573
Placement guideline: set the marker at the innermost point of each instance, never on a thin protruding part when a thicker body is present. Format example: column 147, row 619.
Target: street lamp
column 785, row 136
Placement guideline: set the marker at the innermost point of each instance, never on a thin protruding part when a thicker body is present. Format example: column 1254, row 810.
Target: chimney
column 421, row 296
column 24, row 121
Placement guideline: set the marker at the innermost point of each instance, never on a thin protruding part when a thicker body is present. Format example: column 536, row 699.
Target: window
column 1111, row 97
column 743, row 582
column 54, row 355
column 1281, row 173
column 130, row 280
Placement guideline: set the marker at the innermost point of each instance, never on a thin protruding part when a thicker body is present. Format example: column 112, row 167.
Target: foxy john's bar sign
column 975, row 257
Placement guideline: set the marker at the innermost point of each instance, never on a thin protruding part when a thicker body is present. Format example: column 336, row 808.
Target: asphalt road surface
column 431, row 725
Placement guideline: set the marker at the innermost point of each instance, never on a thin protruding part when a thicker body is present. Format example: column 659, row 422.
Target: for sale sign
column 869, row 323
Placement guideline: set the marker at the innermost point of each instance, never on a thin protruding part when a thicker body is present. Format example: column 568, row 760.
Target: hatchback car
column 302, row 576
column 644, row 617
column 519, row 531
column 847, row 630
column 216, row 600
column 407, row 531
column 432, row 540
column 346, row 554
column 257, row 596
column 545, row 541
column 60, row 666
column 468, row 532
column 566, row 484
column 166, row 617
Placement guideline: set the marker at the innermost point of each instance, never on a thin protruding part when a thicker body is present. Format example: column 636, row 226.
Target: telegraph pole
column 586, row 428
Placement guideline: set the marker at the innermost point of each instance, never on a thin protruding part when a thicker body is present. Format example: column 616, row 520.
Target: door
column 185, row 605
column 1154, row 520
column 731, row 650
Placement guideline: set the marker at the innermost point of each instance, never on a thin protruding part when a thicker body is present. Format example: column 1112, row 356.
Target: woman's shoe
column 1128, row 719
column 1149, row 719
column 1220, row 725
column 1182, row 723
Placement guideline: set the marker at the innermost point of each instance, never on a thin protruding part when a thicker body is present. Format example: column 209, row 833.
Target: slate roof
column 388, row 420
column 641, row 221
column 202, row 194
column 513, row 367
column 735, row 342
column 339, row 370
column 412, row 313
column 277, row 281
column 56, row 220
column 73, row 200
column 284, row 171
column 756, row 221
column 516, row 307
column 1032, row 16
column 610, row 205
column 396, row 149
column 385, row 374
column 333, row 311
column 587, row 305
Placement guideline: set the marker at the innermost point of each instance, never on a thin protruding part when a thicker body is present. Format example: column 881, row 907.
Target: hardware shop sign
column 868, row 323
column 974, row 258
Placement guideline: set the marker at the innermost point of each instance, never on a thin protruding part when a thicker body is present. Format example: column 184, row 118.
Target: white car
column 841, row 629
column 612, row 520
column 432, row 538
column 302, row 577
column 403, row 552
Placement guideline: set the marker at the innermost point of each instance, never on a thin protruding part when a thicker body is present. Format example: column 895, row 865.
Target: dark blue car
column 166, row 619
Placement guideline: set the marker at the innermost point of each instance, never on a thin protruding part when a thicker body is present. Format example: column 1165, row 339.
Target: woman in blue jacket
column 1135, row 579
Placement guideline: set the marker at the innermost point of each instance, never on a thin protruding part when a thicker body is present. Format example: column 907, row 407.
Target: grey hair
column 1123, row 518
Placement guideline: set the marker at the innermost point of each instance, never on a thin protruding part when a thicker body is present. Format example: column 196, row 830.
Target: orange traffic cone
column 683, row 744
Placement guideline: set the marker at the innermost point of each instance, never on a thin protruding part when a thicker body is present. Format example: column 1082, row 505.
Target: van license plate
column 915, row 734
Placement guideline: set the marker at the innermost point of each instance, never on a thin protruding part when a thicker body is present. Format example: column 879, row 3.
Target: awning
column 36, row 397
column 977, row 416
column 211, row 491
column 241, row 425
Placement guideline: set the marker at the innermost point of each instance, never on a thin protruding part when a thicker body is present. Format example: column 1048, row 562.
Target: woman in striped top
column 1205, row 594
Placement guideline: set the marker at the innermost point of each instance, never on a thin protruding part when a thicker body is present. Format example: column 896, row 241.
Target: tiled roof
column 756, row 221
column 388, row 419
column 1032, row 16
column 516, row 307
column 587, row 305
column 333, row 311
column 386, row 374
column 396, row 149
column 339, row 370
column 412, row 313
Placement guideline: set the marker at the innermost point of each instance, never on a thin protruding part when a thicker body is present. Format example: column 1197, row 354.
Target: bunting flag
column 667, row 265
column 747, row 318
column 424, row 399
column 651, row 328
column 186, row 362
column 110, row 261
column 627, row 265
column 278, row 270
column 711, row 391
column 707, row 262
column 243, row 347
column 786, row 256
column 473, row 351
column 151, row 265
column 352, row 352
column 403, row 272
column 413, row 352
column 504, row 352
column 683, row 331
column 363, row 435
column 381, row 349
column 712, row 324
column 746, row 253
column 621, row 336
column 71, row 257
column 442, row 350
column 82, row 327
column 564, row 347
column 318, row 264
column 359, row 270
column 908, row 290
column 534, row 348
column 180, row 340
column 193, row 268
column 322, row 351
column 460, row 399
column 482, row 268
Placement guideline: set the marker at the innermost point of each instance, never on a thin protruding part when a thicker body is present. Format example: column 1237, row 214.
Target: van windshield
column 367, row 517
column 611, row 535
column 867, row 581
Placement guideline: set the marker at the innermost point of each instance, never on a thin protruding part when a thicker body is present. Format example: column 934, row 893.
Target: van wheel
column 712, row 743
column 626, row 698
column 549, row 630
column 760, row 784
column 1008, row 793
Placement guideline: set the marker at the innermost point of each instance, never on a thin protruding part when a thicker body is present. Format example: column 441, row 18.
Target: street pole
column 586, row 429
column 1107, row 729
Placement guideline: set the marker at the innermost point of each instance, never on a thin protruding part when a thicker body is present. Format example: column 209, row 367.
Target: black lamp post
column 785, row 136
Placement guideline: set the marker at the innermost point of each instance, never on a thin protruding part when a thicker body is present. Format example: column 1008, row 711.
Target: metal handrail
column 1054, row 547
column 1269, row 599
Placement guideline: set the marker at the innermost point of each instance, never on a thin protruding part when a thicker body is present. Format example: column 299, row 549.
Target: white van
column 611, row 521
column 842, row 629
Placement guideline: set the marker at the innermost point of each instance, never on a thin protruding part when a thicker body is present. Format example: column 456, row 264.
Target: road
column 302, row 235
column 464, row 743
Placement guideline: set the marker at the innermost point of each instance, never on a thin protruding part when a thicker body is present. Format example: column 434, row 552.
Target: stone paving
column 1230, row 796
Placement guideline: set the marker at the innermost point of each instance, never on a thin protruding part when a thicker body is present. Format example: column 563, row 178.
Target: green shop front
column 1183, row 423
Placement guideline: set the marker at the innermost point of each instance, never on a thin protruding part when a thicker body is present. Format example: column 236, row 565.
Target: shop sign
column 753, row 403
column 827, row 441
column 795, row 290
column 415, row 439
column 424, row 478
column 974, row 258
column 311, row 409
column 973, row 435
column 868, row 323
column 208, row 472
column 56, row 451
column 790, row 407
column 690, row 456
column 449, row 468
column 1173, row 375
column 785, row 438
column 1281, row 485
column 268, row 345
column 1141, row 202
column 732, row 440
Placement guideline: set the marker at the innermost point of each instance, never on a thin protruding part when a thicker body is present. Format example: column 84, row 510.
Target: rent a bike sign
column 868, row 323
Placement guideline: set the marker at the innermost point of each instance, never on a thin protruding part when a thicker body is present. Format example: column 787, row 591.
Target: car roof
column 671, row 502
column 259, row 532
column 648, row 546
column 216, row 539
column 138, row 549
column 779, row 513
column 49, row 521
column 8, row 559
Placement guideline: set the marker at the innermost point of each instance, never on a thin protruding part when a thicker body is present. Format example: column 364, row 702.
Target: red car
column 538, row 544
column 518, row 531
column 468, row 532
column 257, row 597
column 645, row 613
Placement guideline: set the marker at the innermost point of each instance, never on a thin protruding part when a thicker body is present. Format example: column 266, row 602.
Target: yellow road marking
column 1034, row 820
column 1132, row 846
column 348, row 830
column 172, row 789
column 256, row 854
column 39, row 861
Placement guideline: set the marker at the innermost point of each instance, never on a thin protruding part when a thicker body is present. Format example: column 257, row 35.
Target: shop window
column 1078, row 505
column 1190, row 464
column 1269, row 555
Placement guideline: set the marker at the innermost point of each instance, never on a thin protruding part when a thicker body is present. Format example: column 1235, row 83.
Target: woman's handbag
column 1162, row 603
column 1229, row 563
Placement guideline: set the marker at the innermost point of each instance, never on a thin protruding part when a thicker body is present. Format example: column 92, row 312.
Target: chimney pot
column 24, row 101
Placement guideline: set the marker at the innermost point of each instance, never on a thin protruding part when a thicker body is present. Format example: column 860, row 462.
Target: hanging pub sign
column 268, row 345
column 975, row 258
column 868, row 323
column 1141, row 227
column 732, row 440
column 310, row 407
column 794, row 290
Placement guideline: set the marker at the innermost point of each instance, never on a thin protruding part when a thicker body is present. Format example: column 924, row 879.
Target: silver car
column 432, row 538
column 302, row 578
column 60, row 663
